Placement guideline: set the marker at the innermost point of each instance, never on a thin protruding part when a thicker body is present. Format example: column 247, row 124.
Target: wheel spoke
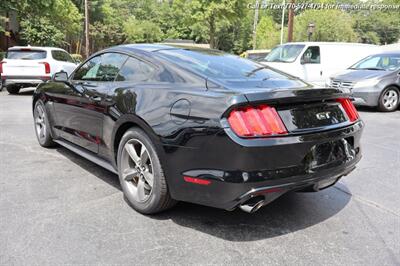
column 42, row 133
column 144, row 155
column 132, row 153
column 129, row 174
column 40, row 111
column 140, row 190
column 149, row 177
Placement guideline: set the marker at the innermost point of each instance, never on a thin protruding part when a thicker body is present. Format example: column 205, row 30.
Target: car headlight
column 366, row 83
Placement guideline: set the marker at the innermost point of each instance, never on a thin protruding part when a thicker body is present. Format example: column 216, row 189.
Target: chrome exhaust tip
column 252, row 205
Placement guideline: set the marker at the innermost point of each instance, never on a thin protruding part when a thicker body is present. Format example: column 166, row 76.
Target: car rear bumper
column 24, row 80
column 267, row 167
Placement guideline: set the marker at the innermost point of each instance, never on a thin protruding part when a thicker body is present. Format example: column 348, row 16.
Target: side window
column 311, row 56
column 62, row 56
column 89, row 70
column 110, row 65
column 104, row 67
column 136, row 71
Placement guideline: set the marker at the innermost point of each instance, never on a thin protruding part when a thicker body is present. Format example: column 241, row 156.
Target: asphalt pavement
column 57, row 208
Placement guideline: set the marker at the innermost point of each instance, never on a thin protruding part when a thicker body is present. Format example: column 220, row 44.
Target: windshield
column 219, row 65
column 27, row 54
column 385, row 62
column 285, row 53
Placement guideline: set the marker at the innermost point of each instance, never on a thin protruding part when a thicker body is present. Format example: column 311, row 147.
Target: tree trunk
column 212, row 32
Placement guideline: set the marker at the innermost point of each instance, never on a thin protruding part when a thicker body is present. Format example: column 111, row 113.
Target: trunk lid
column 305, row 109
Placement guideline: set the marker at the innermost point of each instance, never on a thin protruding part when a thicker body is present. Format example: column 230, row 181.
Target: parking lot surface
column 57, row 208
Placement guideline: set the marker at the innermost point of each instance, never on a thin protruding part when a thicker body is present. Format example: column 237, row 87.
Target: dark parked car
column 199, row 125
column 374, row 81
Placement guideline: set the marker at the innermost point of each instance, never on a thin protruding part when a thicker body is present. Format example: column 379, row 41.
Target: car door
column 311, row 65
column 81, row 107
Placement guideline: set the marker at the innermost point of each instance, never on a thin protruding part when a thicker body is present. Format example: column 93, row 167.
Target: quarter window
column 136, row 71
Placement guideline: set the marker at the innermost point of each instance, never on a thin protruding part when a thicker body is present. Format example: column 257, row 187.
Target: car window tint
column 312, row 55
column 219, row 65
column 62, row 56
column 104, row 67
column 26, row 54
column 136, row 71
column 89, row 70
column 110, row 66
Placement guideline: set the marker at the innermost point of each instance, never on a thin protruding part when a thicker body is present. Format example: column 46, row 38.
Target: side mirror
column 60, row 77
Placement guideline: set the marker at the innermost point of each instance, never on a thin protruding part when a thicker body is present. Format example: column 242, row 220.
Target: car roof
column 151, row 48
column 35, row 48
column 388, row 53
column 332, row 43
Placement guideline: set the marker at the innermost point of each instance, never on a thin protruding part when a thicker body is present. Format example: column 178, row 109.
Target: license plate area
column 330, row 154
column 311, row 117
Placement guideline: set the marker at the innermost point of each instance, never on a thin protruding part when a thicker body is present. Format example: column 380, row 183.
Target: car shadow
column 101, row 173
column 367, row 109
column 289, row 213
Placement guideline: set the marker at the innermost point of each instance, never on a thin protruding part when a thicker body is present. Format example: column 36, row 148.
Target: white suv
column 27, row 66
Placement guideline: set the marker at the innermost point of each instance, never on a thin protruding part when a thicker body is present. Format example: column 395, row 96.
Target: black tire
column 42, row 125
column 383, row 105
column 12, row 89
column 158, row 198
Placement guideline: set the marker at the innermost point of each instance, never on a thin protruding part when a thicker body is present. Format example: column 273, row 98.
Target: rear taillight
column 1, row 66
column 46, row 67
column 349, row 108
column 259, row 121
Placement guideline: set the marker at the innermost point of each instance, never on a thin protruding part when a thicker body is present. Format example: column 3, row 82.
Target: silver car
column 374, row 81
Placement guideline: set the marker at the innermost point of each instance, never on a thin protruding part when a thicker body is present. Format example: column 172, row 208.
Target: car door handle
column 95, row 98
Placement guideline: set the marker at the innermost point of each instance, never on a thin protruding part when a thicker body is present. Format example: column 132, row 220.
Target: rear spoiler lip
column 285, row 96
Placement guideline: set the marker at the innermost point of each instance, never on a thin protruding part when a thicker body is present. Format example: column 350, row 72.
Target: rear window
column 62, row 56
column 219, row 65
column 26, row 54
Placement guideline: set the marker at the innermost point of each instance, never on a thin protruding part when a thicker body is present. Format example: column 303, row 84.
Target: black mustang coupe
column 199, row 125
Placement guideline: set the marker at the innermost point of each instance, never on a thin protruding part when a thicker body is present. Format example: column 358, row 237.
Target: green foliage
column 2, row 21
column 268, row 33
column 210, row 16
column 330, row 26
column 104, row 35
column 41, row 32
column 140, row 31
column 378, row 27
column 224, row 24
column 77, row 57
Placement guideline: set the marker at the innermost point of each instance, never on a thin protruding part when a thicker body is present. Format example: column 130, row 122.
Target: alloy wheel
column 40, row 122
column 137, row 170
column 390, row 99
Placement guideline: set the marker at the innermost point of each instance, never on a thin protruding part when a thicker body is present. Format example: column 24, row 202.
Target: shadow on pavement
column 290, row 213
column 368, row 109
column 103, row 174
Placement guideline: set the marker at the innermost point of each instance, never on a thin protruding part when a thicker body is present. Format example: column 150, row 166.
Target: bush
column 77, row 57
column 2, row 55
